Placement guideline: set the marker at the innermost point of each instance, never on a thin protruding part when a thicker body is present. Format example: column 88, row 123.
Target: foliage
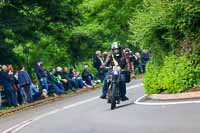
column 68, row 32
column 170, row 30
column 162, row 25
column 151, row 78
column 177, row 74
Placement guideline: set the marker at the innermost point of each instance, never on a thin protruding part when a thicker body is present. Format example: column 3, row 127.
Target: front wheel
column 113, row 96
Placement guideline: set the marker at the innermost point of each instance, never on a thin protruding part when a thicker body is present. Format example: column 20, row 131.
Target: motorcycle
column 113, row 89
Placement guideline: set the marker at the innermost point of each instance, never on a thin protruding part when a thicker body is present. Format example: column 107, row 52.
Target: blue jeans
column 23, row 95
column 105, row 84
column 44, row 83
column 80, row 82
column 74, row 83
column 101, row 75
column 89, row 80
column 11, row 97
column 27, row 91
column 58, row 87
column 122, row 84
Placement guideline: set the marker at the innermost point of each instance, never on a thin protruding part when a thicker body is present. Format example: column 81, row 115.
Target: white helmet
column 116, row 48
column 115, row 45
column 59, row 69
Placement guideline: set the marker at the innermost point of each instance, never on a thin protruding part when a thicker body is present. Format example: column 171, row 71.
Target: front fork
column 117, row 93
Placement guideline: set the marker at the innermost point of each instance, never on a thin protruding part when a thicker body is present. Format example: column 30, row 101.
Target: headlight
column 115, row 72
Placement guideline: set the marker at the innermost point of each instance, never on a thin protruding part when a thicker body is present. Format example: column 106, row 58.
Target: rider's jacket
column 121, row 61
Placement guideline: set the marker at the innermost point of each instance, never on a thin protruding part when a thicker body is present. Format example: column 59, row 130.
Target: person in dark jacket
column 35, row 91
column 55, row 83
column 62, row 74
column 41, row 75
column 137, row 63
column 24, row 81
column 76, row 77
column 7, row 85
column 12, row 77
column 21, row 95
column 144, row 59
column 86, row 76
column 97, row 62
column 71, row 84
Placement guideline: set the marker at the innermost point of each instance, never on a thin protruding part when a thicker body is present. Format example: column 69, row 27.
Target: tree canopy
column 68, row 32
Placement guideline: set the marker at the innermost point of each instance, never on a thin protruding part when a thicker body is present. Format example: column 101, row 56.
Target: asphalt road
column 86, row 113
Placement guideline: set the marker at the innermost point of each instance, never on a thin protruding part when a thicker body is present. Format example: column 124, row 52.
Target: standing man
column 7, row 85
column 41, row 75
column 97, row 62
column 25, row 82
column 144, row 59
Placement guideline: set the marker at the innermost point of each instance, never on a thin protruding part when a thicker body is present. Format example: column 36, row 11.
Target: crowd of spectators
column 19, row 88
column 138, row 61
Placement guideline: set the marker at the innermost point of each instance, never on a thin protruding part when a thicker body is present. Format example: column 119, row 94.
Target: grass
column 6, row 109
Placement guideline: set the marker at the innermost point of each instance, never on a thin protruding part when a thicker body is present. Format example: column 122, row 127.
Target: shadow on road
column 124, row 105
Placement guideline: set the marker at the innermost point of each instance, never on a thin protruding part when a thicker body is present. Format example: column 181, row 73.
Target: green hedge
column 175, row 75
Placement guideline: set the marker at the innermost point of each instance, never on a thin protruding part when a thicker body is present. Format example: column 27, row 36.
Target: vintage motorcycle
column 113, row 87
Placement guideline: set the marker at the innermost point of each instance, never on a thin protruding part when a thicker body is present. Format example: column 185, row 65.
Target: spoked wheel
column 109, row 100
column 113, row 97
column 113, row 104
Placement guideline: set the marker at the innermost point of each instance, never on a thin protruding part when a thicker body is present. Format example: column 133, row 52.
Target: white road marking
column 139, row 102
column 10, row 129
column 135, row 86
column 23, row 124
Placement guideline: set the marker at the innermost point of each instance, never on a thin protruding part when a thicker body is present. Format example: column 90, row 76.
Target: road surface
column 87, row 113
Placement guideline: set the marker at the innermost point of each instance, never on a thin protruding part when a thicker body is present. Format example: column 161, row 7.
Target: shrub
column 177, row 74
column 151, row 83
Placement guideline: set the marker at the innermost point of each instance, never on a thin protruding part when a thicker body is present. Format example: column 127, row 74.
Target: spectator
column 10, row 68
column 97, row 62
column 12, row 77
column 60, row 77
column 25, row 82
column 71, row 84
column 7, row 85
column 55, row 83
column 81, row 82
column 35, row 91
column 76, row 77
column 21, row 95
column 41, row 75
column 72, row 76
column 105, row 55
column 137, row 63
column 86, row 76
column 144, row 59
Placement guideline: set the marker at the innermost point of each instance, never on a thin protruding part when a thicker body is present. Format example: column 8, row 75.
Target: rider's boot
column 103, row 96
column 124, row 98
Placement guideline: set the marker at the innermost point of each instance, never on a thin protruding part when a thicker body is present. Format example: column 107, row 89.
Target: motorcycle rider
column 117, row 58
